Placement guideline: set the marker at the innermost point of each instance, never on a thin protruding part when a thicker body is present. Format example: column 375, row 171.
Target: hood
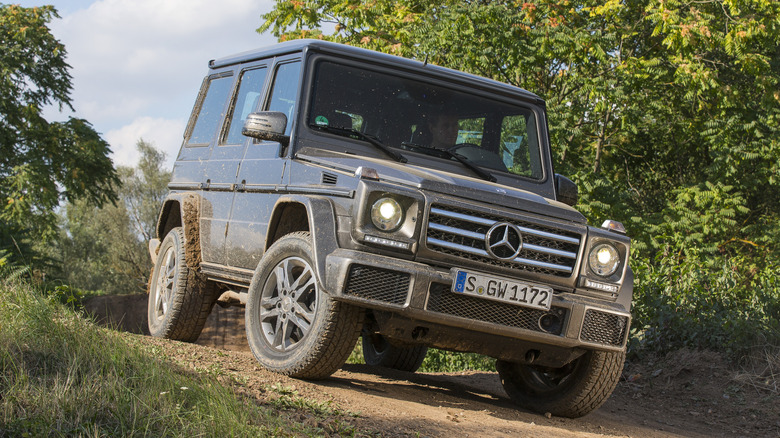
column 439, row 181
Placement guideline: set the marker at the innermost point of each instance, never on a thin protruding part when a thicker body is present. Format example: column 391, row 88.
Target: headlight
column 604, row 260
column 386, row 214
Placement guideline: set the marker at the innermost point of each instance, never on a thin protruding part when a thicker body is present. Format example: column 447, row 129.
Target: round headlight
column 604, row 259
column 386, row 214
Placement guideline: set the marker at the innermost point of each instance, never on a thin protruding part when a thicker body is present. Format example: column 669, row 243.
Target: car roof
column 328, row 47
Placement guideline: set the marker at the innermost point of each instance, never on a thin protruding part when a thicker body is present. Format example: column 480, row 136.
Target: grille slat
column 462, row 233
column 377, row 284
column 604, row 328
column 442, row 300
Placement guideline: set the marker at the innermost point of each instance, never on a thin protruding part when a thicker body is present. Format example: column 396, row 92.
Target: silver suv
column 337, row 192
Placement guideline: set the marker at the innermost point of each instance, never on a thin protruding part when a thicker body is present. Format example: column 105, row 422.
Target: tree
column 659, row 110
column 42, row 162
column 106, row 248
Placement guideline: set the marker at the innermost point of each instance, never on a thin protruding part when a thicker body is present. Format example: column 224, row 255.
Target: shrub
column 720, row 303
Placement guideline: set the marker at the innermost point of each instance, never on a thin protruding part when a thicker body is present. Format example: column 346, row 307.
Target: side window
column 210, row 111
column 470, row 131
column 285, row 91
column 249, row 93
column 519, row 148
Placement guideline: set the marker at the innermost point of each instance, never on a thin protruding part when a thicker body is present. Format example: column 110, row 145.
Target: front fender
column 321, row 217
column 626, row 293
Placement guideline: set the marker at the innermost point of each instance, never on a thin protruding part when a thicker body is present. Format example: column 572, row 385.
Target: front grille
column 377, row 284
column 442, row 300
column 461, row 233
column 604, row 328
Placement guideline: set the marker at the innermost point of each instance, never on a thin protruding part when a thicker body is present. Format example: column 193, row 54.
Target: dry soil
column 686, row 393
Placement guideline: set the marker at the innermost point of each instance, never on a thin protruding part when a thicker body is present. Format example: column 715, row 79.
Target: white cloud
column 137, row 64
column 164, row 134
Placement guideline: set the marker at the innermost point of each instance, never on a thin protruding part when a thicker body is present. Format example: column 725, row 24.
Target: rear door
column 202, row 166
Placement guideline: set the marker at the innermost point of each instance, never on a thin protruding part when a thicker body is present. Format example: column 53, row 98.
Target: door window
column 517, row 133
column 249, row 92
column 285, row 91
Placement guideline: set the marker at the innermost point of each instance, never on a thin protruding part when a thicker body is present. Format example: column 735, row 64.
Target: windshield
column 421, row 117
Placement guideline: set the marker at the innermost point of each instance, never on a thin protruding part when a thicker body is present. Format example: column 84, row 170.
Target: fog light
column 386, row 214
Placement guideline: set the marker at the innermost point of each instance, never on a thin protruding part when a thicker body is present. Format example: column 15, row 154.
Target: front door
column 261, row 176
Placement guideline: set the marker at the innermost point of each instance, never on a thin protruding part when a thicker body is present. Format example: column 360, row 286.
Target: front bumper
column 419, row 294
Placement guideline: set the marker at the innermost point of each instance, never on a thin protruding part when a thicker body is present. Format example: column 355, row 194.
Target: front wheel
column 571, row 391
column 292, row 326
column 378, row 351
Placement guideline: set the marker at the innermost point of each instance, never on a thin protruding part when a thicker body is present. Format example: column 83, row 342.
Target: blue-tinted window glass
column 210, row 114
column 285, row 91
column 249, row 93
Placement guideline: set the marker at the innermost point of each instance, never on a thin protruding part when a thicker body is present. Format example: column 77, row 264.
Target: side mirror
column 565, row 190
column 267, row 125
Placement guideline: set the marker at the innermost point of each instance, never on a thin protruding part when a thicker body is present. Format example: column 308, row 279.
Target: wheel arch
column 182, row 210
column 306, row 213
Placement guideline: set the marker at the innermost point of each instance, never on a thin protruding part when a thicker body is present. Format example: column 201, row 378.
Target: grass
column 761, row 370
column 60, row 375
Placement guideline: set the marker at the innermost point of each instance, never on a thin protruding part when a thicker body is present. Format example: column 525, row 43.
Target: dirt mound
column 685, row 393
column 696, row 391
column 693, row 395
column 224, row 328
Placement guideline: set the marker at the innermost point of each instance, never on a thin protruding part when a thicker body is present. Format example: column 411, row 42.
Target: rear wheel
column 571, row 391
column 378, row 351
column 293, row 327
column 180, row 299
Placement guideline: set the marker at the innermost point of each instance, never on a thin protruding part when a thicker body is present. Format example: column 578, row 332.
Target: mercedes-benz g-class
column 337, row 192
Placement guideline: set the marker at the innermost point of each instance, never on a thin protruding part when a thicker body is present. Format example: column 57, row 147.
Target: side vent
column 329, row 178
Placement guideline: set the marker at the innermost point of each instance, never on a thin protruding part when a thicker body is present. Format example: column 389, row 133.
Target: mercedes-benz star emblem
column 504, row 241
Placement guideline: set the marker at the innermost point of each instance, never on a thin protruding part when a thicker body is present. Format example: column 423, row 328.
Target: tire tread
column 597, row 382
column 193, row 299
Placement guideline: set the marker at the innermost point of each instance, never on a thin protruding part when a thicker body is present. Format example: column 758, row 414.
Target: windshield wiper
column 354, row 133
column 473, row 167
column 444, row 153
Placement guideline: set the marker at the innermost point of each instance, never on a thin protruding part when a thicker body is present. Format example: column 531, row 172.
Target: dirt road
column 683, row 394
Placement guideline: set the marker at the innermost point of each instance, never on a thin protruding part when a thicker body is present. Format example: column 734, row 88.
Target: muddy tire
column 180, row 299
column 377, row 351
column 570, row 391
column 293, row 327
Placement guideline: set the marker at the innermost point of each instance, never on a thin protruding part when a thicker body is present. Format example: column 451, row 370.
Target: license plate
column 502, row 289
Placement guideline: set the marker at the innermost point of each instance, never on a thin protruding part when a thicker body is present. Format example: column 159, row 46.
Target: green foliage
column 647, row 100
column 441, row 361
column 718, row 303
column 41, row 163
column 106, row 248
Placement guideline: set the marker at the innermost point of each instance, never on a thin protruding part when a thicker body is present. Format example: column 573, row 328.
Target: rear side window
column 210, row 112
column 249, row 93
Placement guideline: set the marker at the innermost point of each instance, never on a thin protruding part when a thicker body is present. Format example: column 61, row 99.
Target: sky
column 137, row 64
